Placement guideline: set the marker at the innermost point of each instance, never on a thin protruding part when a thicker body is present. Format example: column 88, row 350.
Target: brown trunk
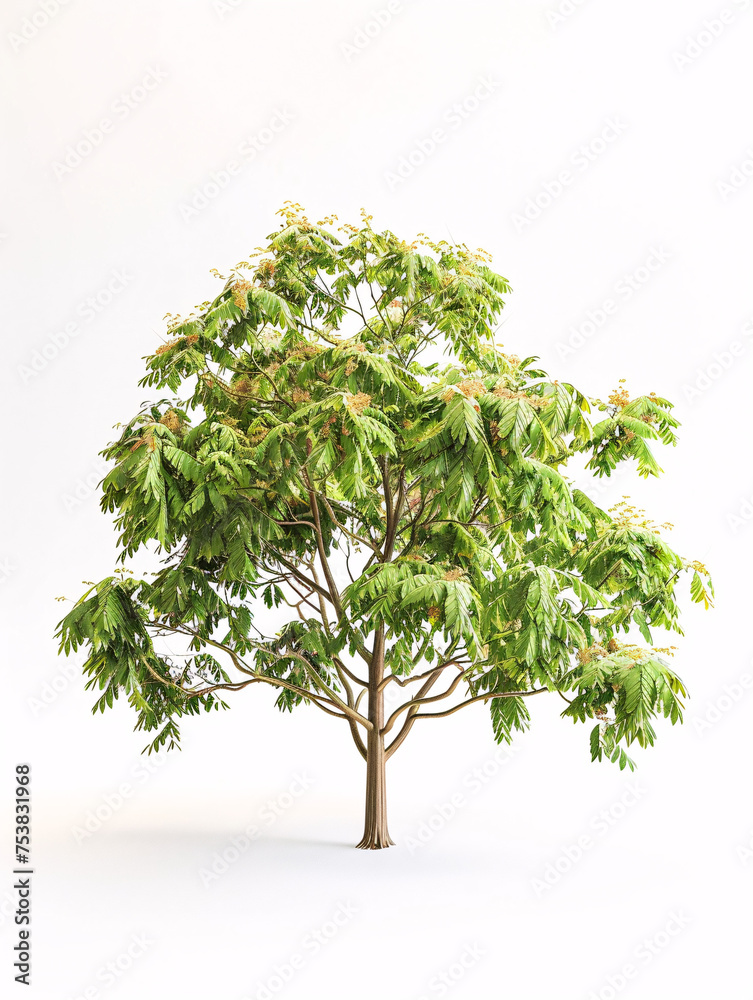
column 375, row 833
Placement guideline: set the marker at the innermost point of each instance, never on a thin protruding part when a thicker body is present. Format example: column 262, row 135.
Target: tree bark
column 375, row 833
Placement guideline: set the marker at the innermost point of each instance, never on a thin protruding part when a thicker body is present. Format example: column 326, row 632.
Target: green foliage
column 342, row 404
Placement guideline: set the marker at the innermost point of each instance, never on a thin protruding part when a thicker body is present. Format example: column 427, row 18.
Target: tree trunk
column 375, row 833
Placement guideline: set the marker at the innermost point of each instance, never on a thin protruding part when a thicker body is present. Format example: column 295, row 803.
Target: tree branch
column 350, row 534
column 419, row 700
column 333, row 699
column 334, row 594
column 411, row 679
column 410, row 718
column 480, row 697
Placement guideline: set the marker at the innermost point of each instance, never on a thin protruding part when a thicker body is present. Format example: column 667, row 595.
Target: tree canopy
column 344, row 435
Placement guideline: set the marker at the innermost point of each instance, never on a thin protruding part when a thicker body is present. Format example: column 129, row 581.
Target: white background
column 360, row 98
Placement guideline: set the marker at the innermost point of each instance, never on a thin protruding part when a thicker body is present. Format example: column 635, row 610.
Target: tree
column 363, row 452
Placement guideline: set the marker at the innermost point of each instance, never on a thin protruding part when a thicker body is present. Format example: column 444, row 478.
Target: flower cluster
column 324, row 433
column 190, row 339
column 635, row 653
column 244, row 386
column 270, row 341
column 307, row 350
column 240, row 293
column 357, row 403
column 619, row 397
column 395, row 311
column 587, row 653
column 628, row 516
column 453, row 574
column 537, row 402
column 265, row 270
column 597, row 651
column 171, row 420
column 471, row 388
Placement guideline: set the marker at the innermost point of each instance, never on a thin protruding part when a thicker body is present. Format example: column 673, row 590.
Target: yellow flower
column 357, row 403
column 453, row 574
column 471, row 388
column 240, row 288
column 163, row 348
column 171, row 420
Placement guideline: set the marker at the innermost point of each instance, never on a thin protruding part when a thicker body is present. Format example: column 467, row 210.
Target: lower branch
column 479, row 697
column 414, row 714
column 332, row 699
